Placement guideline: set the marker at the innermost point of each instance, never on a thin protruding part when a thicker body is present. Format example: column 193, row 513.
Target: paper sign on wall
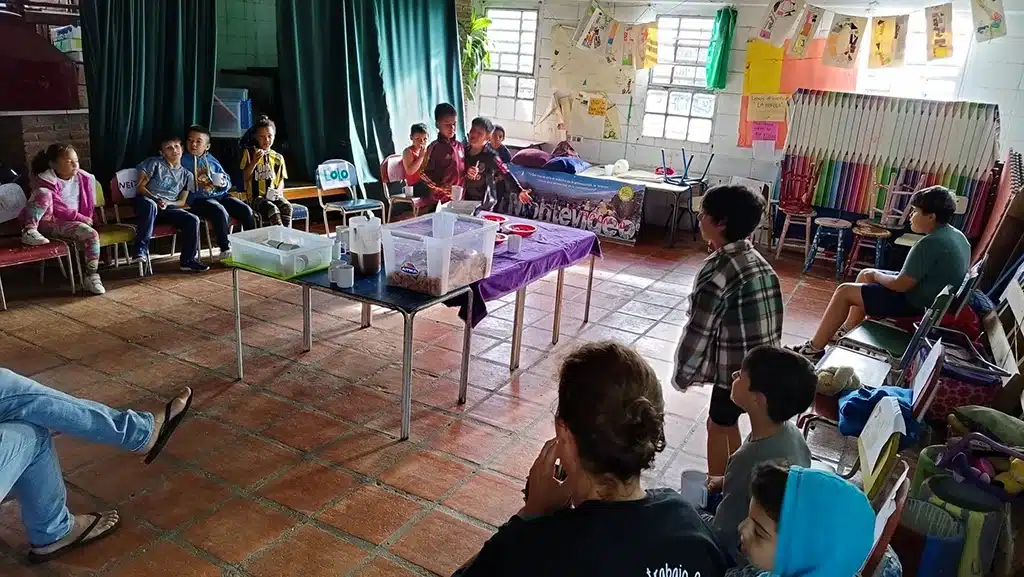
column 626, row 54
column 595, row 29
column 762, row 73
column 888, row 41
column 806, row 26
column 778, row 21
column 767, row 108
column 647, row 46
column 844, row 40
column 939, row 21
column 989, row 19
column 762, row 130
column 597, row 107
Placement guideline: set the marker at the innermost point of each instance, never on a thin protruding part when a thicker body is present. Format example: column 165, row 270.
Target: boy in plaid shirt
column 735, row 306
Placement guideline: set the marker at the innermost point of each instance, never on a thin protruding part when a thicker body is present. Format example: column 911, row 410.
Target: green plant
column 475, row 55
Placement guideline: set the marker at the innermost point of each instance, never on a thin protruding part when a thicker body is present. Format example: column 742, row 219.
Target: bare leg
column 846, row 298
column 722, row 443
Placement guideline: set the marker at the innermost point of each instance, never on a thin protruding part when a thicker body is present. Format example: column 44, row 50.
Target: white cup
column 514, row 243
column 608, row 169
column 694, row 488
column 407, row 191
column 219, row 179
column 456, row 192
column 346, row 276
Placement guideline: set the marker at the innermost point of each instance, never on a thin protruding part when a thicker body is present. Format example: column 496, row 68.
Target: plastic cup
column 407, row 191
column 609, row 169
column 456, row 192
column 694, row 488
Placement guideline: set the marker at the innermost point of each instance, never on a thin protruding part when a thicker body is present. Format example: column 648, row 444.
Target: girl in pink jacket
column 61, row 206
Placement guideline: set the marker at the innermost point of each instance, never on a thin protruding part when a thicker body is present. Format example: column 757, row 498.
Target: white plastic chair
column 339, row 175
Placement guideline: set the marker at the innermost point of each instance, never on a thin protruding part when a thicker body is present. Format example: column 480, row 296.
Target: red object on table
column 498, row 218
column 500, row 238
column 523, row 230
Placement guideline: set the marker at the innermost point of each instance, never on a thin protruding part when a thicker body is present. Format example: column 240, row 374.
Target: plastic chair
column 13, row 253
column 122, row 194
column 111, row 235
column 340, row 175
column 795, row 195
column 392, row 171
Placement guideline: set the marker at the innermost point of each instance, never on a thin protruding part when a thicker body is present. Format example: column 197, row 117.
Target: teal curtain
column 420, row 61
column 151, row 67
column 717, row 68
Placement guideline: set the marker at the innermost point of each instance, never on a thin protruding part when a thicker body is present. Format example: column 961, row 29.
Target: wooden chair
column 837, row 228
column 13, row 252
column 910, row 239
column 122, row 195
column 795, row 196
column 873, row 237
column 392, row 171
column 340, row 176
column 894, row 212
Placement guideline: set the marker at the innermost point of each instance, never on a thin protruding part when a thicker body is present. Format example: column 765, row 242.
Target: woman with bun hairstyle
column 62, row 205
column 586, row 513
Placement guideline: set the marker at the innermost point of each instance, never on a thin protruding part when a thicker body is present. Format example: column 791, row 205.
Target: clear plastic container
column 231, row 118
column 250, row 248
column 439, row 252
column 232, row 93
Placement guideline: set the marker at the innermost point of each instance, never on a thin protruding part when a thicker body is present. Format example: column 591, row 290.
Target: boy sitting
column 736, row 306
column 160, row 199
column 804, row 522
column 445, row 158
column 941, row 258
column 772, row 386
column 211, row 199
column 413, row 155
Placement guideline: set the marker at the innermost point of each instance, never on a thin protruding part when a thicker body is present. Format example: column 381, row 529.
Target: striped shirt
column 268, row 173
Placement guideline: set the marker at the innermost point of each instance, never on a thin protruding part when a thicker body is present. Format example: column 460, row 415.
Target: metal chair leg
column 209, row 242
column 327, row 225
column 3, row 297
column 71, row 275
column 42, row 270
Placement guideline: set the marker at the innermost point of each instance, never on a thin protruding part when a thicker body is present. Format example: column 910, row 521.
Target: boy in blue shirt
column 211, row 199
column 163, row 186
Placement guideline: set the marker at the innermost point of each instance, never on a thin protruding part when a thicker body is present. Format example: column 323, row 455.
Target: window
column 508, row 88
column 919, row 78
column 678, row 106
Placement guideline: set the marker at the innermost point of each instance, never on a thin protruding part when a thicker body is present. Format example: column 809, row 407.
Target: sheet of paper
column 885, row 420
column 989, row 19
column 939, row 22
column 778, row 21
column 762, row 73
column 882, row 517
column 767, row 107
column 597, row 107
column 844, row 40
column 646, row 47
column 925, row 370
column 888, row 41
column 765, row 130
column 612, row 123
column 764, row 150
column 596, row 29
column 806, row 27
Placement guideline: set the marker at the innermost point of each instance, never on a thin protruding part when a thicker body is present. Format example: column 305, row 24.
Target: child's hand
column 524, row 196
column 472, row 173
column 715, row 484
column 161, row 204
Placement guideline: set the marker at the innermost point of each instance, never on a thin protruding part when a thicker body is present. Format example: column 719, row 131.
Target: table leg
column 307, row 319
column 558, row 306
column 590, row 289
column 517, row 329
column 467, row 345
column 367, row 316
column 238, row 322
column 407, row 376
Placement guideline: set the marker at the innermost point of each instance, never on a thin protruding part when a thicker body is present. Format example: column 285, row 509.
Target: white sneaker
column 31, row 237
column 225, row 254
column 94, row 285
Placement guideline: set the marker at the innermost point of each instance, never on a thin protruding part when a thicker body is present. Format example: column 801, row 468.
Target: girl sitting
column 61, row 206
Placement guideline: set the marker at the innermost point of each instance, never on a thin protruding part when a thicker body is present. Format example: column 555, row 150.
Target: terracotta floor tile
column 308, row 552
column 488, row 497
column 129, row 537
column 306, row 430
column 254, row 411
column 677, row 316
column 443, row 394
column 425, row 474
column 656, row 349
column 308, row 487
column 626, row 322
column 365, row 451
column 199, row 436
column 355, row 403
column 507, row 412
column 502, row 353
column 381, row 567
column 437, row 361
column 28, row 360
column 660, row 298
column 119, row 478
column 479, row 343
column 603, row 333
column 354, row 365
column 371, row 513
column 470, row 441
column 247, row 461
column 425, row 422
column 493, row 327
column 319, row 351
column 237, row 530
column 440, row 543
column 516, row 460
column 176, row 499
column 75, row 453
column 666, row 332
column 534, row 388
column 690, row 404
column 122, row 359
column 487, row 375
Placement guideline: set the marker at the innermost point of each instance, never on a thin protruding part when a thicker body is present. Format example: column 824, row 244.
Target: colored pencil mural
column 861, row 140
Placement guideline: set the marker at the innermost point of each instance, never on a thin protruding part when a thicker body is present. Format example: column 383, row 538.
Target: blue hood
column 826, row 528
column 191, row 162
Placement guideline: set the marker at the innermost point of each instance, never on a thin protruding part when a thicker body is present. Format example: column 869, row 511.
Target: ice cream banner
column 778, row 21
column 805, row 29
column 607, row 207
column 888, row 46
column 989, row 19
column 939, row 22
column 844, row 40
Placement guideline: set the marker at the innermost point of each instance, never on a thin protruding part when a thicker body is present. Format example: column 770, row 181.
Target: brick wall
column 24, row 135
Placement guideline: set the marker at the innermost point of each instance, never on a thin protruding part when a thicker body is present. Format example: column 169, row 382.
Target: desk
column 657, row 183
column 370, row 291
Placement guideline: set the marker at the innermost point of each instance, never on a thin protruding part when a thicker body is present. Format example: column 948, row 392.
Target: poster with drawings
column 806, row 28
column 939, row 22
column 595, row 29
column 989, row 19
column 779, row 20
column 575, row 69
column 626, row 46
column 888, row 41
column 844, row 40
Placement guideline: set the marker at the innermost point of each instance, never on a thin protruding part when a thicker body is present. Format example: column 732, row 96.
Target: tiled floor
column 297, row 470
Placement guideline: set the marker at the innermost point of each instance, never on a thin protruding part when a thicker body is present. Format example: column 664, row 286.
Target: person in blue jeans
column 28, row 460
column 163, row 186
column 211, row 200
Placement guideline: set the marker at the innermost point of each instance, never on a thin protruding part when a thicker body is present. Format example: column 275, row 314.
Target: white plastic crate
column 439, row 252
column 249, row 248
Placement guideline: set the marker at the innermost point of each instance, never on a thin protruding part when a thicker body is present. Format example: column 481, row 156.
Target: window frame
column 517, row 75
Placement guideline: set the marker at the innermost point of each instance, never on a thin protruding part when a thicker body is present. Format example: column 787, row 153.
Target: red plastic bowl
column 495, row 218
column 499, row 238
column 520, row 229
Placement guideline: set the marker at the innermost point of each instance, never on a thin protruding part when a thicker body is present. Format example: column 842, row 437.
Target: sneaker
column 94, row 285
column 31, row 237
column 141, row 257
column 808, row 351
column 842, row 332
column 225, row 254
column 194, row 266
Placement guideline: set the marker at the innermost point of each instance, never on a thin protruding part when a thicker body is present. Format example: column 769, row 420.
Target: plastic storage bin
column 232, row 93
column 231, row 118
column 438, row 253
column 249, row 248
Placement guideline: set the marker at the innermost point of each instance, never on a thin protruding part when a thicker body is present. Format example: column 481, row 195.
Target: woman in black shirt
column 598, row 520
column 487, row 176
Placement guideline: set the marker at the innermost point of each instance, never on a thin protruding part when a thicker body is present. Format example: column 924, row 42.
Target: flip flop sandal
column 167, row 429
column 84, row 539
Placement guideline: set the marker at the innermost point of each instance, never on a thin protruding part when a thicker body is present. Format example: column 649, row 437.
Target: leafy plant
column 475, row 56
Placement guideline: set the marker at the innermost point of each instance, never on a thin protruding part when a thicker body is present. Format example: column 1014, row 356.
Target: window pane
column 702, row 56
column 527, row 88
column 686, row 54
column 506, row 108
column 526, row 64
column 524, row 110
column 700, row 77
column 493, row 13
column 666, row 52
column 700, row 130
column 654, row 125
column 503, row 24
column 527, row 48
column 679, row 103
column 661, row 74
column 509, row 62
column 704, row 105
column 675, row 127
column 488, row 106
column 488, row 85
column 656, row 101
column 507, row 86
column 503, row 36
column 667, row 24
column 683, row 74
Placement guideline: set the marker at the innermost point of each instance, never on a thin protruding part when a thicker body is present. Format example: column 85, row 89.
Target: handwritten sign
column 939, row 20
column 765, row 130
column 767, row 107
column 597, row 106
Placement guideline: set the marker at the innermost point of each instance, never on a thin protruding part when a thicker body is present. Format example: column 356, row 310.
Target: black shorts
column 723, row 412
column 887, row 303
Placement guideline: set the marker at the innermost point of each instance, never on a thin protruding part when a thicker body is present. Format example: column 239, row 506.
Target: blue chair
column 300, row 212
column 340, row 177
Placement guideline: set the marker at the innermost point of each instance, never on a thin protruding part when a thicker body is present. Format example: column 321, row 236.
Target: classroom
column 486, row 287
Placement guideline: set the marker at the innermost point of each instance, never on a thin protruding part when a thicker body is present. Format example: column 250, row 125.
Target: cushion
column 567, row 164
column 531, row 158
column 299, row 212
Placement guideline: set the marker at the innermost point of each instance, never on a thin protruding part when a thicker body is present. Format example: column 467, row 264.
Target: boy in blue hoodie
column 807, row 523
column 211, row 200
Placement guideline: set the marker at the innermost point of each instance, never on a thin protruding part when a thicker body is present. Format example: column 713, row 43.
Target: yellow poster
column 939, row 20
column 767, row 107
column 888, row 41
column 597, row 107
column 646, row 46
column 763, row 71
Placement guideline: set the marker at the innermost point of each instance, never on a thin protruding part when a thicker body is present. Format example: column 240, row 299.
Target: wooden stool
column 868, row 234
column 829, row 226
column 799, row 218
